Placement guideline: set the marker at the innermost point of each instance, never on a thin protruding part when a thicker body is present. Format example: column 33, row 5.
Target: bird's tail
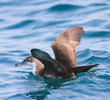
column 83, row 68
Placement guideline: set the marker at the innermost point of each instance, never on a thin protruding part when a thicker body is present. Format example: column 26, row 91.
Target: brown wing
column 64, row 46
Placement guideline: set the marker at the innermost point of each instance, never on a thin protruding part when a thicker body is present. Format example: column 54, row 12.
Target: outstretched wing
column 64, row 46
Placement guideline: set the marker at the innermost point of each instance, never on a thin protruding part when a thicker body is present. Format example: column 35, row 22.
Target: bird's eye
column 28, row 59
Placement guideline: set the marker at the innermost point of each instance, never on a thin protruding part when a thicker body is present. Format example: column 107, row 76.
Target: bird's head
column 34, row 62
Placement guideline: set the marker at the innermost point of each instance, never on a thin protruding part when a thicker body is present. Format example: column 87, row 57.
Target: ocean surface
column 27, row 24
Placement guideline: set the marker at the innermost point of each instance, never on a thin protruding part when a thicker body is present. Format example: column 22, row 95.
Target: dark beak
column 19, row 64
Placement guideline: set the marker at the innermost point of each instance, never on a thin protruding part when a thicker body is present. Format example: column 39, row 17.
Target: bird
column 64, row 65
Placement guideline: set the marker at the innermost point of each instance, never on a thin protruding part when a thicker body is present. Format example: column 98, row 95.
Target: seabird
column 65, row 63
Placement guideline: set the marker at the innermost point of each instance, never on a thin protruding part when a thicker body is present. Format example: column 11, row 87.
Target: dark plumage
column 54, row 67
column 65, row 63
column 51, row 65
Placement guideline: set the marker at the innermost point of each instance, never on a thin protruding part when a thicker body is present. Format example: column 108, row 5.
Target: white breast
column 34, row 65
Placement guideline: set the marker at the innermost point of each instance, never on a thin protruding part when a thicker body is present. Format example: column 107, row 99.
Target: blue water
column 27, row 24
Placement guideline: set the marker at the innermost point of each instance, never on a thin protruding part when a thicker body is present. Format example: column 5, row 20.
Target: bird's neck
column 39, row 72
column 38, row 68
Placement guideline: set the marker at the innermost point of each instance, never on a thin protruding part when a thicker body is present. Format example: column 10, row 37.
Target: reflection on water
column 36, row 24
column 40, row 90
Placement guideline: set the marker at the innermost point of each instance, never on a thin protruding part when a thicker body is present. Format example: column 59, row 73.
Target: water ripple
column 98, row 34
column 20, row 24
column 64, row 7
column 98, row 4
